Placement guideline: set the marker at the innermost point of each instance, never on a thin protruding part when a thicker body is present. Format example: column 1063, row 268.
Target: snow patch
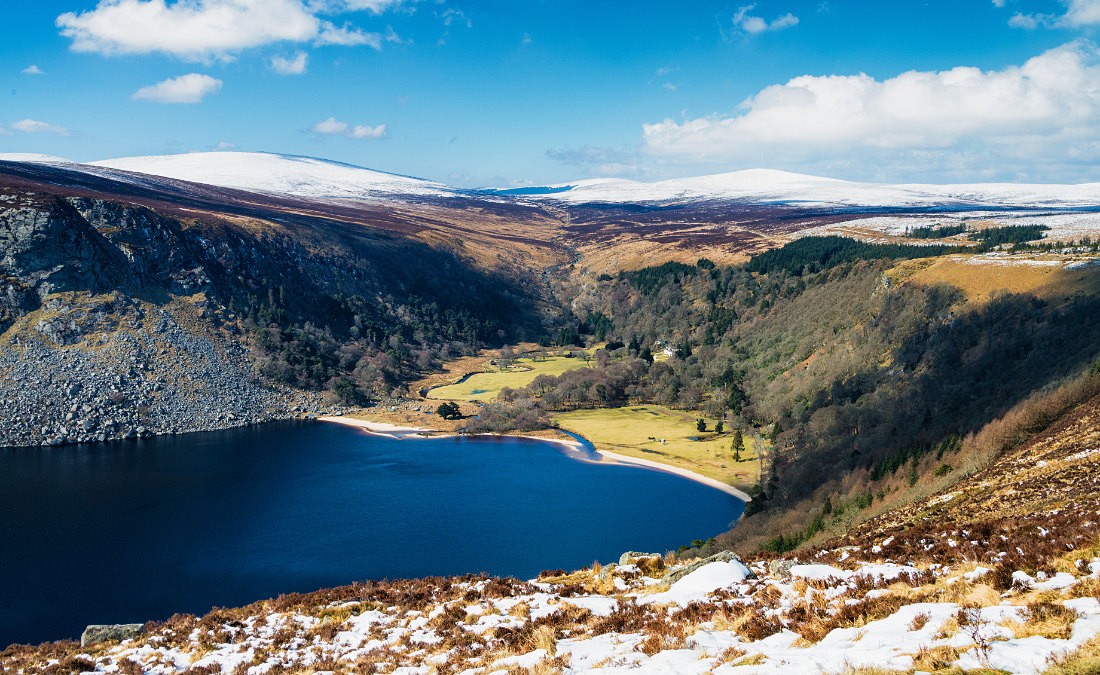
column 700, row 583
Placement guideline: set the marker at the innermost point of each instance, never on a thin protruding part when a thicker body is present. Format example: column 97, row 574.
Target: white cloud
column 456, row 16
column 1027, row 21
column 33, row 70
column 1045, row 113
column 334, row 127
column 190, row 88
column 755, row 24
column 1083, row 13
column 191, row 29
column 347, row 36
column 203, row 29
column 29, row 126
column 1079, row 14
column 375, row 6
column 295, row 65
column 225, row 145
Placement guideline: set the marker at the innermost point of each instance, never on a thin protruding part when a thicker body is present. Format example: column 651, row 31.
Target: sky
column 529, row 92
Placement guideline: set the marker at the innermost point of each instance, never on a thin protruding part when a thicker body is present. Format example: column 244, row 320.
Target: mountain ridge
column 313, row 177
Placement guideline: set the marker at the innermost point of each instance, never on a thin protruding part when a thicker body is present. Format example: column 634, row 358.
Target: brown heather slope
column 1036, row 508
column 494, row 234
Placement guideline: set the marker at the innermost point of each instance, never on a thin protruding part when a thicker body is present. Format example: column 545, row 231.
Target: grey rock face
column 95, row 343
column 95, row 634
column 630, row 556
column 781, row 569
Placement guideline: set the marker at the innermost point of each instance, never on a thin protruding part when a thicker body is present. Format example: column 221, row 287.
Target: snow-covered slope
column 322, row 179
column 277, row 174
column 764, row 186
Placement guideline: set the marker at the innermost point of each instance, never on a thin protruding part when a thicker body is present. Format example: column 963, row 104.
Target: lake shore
column 574, row 448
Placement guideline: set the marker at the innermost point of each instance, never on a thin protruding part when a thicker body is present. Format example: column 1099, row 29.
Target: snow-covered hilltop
column 313, row 178
column 765, row 186
column 277, row 174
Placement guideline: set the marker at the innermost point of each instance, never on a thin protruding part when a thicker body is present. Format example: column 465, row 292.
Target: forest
column 848, row 374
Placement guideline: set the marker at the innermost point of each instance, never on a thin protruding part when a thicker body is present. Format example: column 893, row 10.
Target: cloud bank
column 1044, row 111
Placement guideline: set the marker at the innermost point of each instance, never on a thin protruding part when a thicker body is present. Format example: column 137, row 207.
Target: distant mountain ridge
column 277, row 174
column 315, row 178
column 771, row 187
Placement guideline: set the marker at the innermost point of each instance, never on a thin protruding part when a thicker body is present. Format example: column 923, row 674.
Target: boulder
column 781, row 569
column 97, row 633
column 630, row 556
column 722, row 556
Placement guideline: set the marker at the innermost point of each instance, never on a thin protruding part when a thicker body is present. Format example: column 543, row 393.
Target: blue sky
column 513, row 92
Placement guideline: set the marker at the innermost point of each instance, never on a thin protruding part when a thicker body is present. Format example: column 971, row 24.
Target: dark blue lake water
column 131, row 531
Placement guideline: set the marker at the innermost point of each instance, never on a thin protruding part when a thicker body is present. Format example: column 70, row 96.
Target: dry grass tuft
column 949, row 629
column 544, row 638
column 754, row 625
column 1086, row 588
column 1046, row 619
column 750, row 660
column 661, row 636
column 919, row 621
column 1084, row 661
column 982, row 595
column 934, row 659
column 729, row 655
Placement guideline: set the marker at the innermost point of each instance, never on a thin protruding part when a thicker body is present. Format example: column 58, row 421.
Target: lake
column 131, row 531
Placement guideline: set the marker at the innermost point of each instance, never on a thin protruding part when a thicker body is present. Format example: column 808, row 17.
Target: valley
column 903, row 379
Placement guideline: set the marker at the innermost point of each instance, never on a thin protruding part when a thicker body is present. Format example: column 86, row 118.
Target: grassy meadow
column 486, row 386
column 664, row 435
column 981, row 279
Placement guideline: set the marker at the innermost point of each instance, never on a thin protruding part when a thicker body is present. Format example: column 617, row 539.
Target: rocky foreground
column 717, row 615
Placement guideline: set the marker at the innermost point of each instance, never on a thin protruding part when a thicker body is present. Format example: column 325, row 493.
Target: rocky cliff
column 129, row 313
column 108, row 331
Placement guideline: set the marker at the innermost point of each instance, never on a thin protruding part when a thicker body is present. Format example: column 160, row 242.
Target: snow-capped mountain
column 766, row 186
column 314, row 178
column 277, row 174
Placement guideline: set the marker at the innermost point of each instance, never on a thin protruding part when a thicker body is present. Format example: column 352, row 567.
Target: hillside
column 122, row 302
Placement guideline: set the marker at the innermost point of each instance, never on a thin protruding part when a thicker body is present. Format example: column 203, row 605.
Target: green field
column 485, row 386
column 638, row 431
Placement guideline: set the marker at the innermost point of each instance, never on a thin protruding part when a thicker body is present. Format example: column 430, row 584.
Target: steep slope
column 129, row 309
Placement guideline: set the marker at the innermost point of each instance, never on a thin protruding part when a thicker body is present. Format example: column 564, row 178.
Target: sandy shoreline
column 604, row 456
column 381, row 428
column 616, row 458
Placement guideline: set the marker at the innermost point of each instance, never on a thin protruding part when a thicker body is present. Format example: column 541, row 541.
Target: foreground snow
column 722, row 616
